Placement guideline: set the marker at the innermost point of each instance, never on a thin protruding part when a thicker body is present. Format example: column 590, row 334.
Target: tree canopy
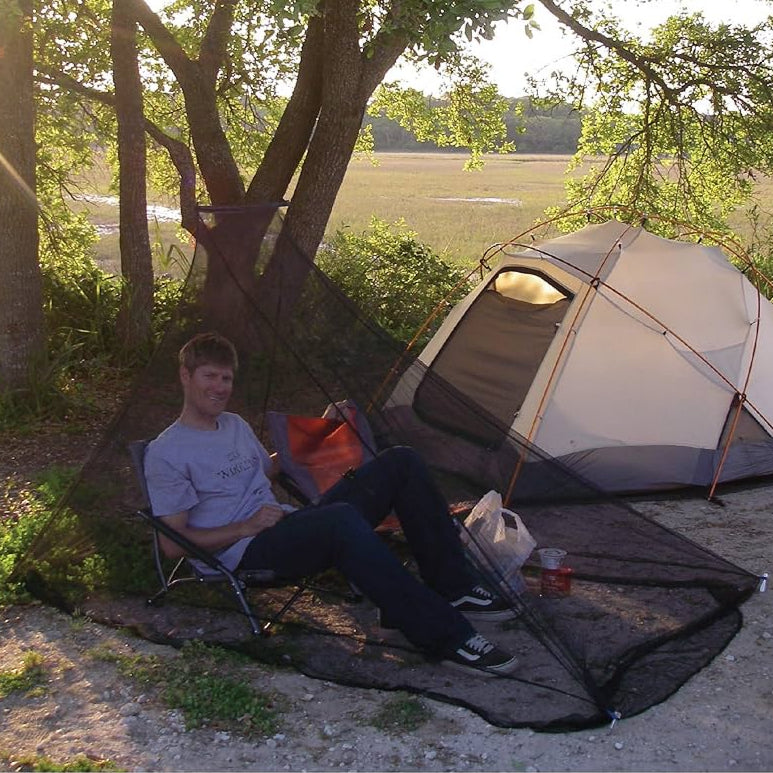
column 242, row 102
column 681, row 119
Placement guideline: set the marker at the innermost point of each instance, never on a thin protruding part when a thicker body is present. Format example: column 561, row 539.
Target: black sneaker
column 480, row 604
column 479, row 655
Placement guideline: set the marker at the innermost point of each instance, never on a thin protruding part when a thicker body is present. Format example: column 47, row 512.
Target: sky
column 511, row 53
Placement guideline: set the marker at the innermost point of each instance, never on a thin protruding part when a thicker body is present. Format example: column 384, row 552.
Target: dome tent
column 639, row 362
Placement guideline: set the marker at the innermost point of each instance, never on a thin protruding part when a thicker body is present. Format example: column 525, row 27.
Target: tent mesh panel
column 647, row 609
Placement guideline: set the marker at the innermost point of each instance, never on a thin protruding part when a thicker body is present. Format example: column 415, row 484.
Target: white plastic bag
column 498, row 540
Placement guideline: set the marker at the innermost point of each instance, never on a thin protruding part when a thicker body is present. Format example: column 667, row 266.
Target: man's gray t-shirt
column 218, row 476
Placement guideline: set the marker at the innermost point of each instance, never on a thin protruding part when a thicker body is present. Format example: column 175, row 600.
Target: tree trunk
column 135, row 318
column 307, row 217
column 296, row 126
column 335, row 81
column 22, row 339
column 231, row 289
column 349, row 77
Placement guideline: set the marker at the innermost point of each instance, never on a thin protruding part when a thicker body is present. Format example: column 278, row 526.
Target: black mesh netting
column 647, row 608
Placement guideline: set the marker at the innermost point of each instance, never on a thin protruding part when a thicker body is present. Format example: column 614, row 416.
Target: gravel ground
column 720, row 720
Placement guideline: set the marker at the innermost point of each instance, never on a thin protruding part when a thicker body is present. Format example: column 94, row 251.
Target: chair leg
column 156, row 598
column 167, row 582
column 265, row 629
column 257, row 629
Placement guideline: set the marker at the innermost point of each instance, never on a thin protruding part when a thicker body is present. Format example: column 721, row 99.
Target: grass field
column 451, row 210
column 454, row 211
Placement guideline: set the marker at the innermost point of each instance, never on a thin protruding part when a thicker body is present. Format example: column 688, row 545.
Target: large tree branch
column 385, row 49
column 179, row 153
column 213, row 151
column 296, row 125
column 214, row 44
column 620, row 48
column 181, row 157
column 184, row 68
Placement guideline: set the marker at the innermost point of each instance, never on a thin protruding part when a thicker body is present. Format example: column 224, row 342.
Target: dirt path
column 720, row 720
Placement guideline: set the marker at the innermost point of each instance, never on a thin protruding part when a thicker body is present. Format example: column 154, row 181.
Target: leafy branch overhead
column 682, row 118
column 246, row 101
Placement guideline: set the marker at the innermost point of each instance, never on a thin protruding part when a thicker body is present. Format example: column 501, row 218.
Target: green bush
column 21, row 529
column 395, row 278
column 81, row 304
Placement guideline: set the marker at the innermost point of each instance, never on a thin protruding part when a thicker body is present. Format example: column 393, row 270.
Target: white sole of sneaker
column 503, row 670
column 499, row 615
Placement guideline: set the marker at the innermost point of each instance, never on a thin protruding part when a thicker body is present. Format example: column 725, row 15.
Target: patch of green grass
column 217, row 701
column 39, row 762
column 139, row 666
column 401, row 714
column 29, row 679
column 207, row 684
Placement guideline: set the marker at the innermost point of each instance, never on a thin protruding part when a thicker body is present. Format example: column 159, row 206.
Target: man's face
column 207, row 390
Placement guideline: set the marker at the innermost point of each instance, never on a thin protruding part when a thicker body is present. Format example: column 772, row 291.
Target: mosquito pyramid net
column 646, row 609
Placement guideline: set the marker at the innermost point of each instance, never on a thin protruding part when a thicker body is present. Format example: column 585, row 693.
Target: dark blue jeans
column 338, row 533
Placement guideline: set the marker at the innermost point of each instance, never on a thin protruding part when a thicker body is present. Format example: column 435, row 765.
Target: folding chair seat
column 315, row 452
column 184, row 572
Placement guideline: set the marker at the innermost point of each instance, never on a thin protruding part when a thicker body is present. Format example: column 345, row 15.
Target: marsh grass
column 453, row 211
column 430, row 191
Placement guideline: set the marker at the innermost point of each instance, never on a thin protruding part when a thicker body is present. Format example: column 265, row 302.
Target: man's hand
column 264, row 518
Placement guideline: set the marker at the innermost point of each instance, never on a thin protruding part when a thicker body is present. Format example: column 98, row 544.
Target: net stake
column 615, row 715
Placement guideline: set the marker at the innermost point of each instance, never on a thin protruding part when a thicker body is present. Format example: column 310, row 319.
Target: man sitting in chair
column 210, row 479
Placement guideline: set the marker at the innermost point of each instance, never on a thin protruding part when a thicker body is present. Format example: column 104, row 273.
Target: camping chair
column 184, row 572
column 316, row 452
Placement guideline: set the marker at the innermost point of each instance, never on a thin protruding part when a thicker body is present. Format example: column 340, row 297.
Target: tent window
column 493, row 354
column 747, row 429
column 527, row 287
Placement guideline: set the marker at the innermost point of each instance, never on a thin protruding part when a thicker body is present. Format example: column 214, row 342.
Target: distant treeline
column 533, row 130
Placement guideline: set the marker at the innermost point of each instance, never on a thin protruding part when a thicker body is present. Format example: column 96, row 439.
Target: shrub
column 387, row 272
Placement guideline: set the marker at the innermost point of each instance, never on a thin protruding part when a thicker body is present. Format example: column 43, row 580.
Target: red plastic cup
column 556, row 583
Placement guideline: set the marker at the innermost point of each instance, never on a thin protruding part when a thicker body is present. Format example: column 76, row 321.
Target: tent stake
column 615, row 715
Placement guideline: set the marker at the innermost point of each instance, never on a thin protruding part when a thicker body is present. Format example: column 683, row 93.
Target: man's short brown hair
column 208, row 349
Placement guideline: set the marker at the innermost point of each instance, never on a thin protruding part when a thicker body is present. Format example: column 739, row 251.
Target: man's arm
column 217, row 537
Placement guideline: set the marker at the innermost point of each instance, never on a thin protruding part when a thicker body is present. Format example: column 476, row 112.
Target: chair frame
column 237, row 581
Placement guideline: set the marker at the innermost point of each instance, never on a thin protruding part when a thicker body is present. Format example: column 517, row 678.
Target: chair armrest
column 191, row 549
column 291, row 487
